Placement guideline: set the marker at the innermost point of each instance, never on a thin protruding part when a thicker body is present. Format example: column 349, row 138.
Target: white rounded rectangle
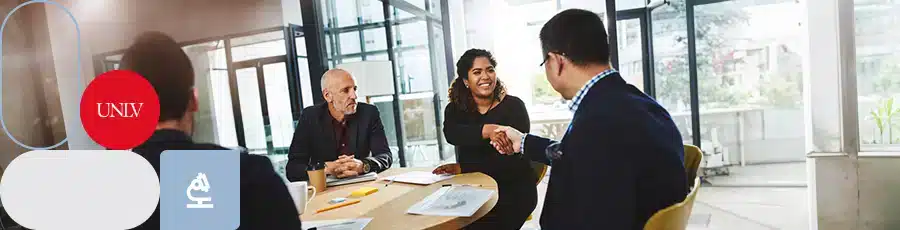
column 66, row 189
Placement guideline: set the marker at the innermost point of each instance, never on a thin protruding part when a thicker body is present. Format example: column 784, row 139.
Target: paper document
column 452, row 201
column 342, row 224
column 334, row 181
column 418, row 177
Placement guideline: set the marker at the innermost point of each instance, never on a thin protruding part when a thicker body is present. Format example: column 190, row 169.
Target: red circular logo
column 119, row 109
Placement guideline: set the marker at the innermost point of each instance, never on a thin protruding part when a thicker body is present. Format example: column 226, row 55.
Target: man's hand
column 514, row 136
column 332, row 167
column 348, row 166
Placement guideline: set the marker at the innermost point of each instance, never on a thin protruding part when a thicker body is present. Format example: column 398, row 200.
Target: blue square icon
column 200, row 189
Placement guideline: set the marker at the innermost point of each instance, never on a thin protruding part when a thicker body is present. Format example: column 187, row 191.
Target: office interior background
column 796, row 102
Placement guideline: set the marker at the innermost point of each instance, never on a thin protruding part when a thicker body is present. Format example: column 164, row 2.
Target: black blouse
column 475, row 154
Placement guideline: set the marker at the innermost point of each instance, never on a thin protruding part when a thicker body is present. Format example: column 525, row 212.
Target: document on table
column 452, row 201
column 341, row 224
column 419, row 177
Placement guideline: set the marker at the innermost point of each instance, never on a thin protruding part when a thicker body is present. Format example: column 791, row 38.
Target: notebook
column 418, row 177
column 334, row 181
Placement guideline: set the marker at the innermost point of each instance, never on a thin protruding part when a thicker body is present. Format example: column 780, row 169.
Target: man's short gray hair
column 328, row 75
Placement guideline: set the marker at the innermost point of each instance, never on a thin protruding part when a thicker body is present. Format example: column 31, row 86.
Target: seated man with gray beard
column 345, row 135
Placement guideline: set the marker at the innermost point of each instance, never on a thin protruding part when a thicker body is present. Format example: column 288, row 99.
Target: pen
column 390, row 181
column 337, row 206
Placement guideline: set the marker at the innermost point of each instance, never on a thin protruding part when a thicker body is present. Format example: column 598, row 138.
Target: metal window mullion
column 235, row 97
column 314, row 35
column 613, row 34
column 264, row 106
column 692, row 71
column 436, row 99
column 398, row 120
column 647, row 53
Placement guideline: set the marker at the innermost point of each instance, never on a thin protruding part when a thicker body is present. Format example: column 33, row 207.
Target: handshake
column 505, row 139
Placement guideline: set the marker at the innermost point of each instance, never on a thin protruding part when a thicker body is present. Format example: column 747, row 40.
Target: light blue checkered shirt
column 552, row 150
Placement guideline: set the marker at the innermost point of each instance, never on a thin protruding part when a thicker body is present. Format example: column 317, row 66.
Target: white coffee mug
column 299, row 194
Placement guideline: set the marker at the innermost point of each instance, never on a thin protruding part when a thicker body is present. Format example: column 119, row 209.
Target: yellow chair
column 676, row 217
column 692, row 158
column 540, row 169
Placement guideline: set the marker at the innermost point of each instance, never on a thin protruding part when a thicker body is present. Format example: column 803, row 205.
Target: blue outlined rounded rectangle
column 200, row 189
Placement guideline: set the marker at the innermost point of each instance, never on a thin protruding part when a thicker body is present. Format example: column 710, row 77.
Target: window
column 747, row 112
column 878, row 74
column 629, row 4
column 415, row 67
column 375, row 39
column 512, row 38
column 215, row 120
column 258, row 46
column 671, row 66
column 631, row 51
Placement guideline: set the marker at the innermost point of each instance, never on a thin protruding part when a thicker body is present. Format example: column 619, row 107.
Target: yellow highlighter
column 364, row 191
column 348, row 203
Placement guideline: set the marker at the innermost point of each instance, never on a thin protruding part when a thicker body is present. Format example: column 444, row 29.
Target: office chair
column 693, row 156
column 540, row 169
column 676, row 216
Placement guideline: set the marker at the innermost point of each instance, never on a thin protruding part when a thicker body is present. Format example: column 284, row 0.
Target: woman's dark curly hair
column 459, row 94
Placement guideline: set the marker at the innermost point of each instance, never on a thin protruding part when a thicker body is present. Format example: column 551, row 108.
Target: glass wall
column 878, row 74
column 355, row 31
column 670, row 57
column 748, row 68
column 750, row 83
column 512, row 36
column 246, row 103
column 631, row 65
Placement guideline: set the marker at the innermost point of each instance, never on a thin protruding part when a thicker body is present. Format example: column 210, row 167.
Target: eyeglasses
column 547, row 57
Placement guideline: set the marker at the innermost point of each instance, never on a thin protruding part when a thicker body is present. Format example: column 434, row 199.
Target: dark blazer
column 265, row 200
column 314, row 140
column 622, row 161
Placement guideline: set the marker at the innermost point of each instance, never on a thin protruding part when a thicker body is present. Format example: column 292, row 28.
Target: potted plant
column 883, row 115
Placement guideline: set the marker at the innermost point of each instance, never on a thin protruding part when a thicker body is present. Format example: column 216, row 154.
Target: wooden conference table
column 388, row 206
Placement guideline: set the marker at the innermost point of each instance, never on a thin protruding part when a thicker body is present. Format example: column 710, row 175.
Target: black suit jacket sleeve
column 269, row 201
column 536, row 148
column 381, row 154
column 300, row 150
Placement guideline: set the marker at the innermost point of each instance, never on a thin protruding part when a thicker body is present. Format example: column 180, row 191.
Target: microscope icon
column 199, row 184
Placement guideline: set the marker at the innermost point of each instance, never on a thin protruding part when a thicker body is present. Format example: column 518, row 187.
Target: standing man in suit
column 265, row 200
column 345, row 135
column 621, row 159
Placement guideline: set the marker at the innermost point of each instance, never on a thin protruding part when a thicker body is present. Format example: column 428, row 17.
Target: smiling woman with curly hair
column 478, row 106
